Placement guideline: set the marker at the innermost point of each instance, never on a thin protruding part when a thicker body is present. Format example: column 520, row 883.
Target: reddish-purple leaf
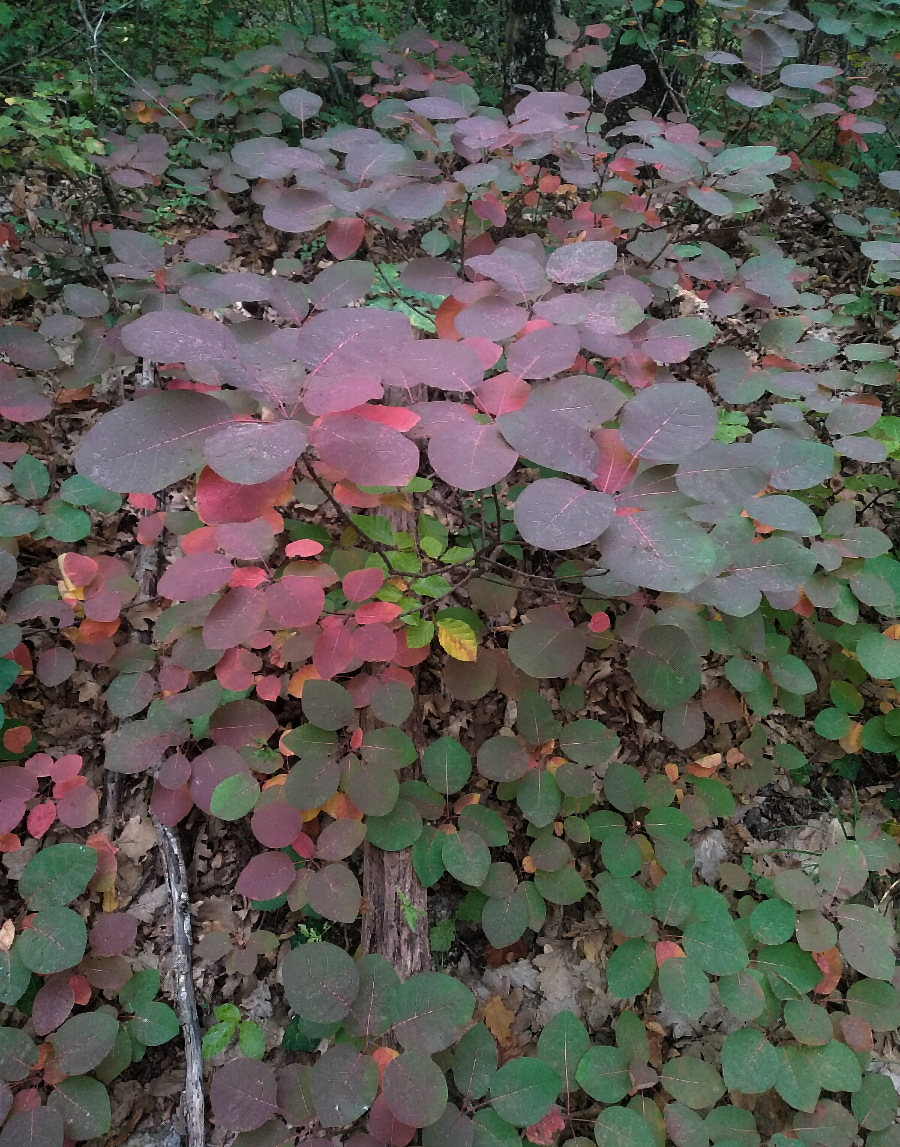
column 368, row 453
column 333, row 891
column 437, row 107
column 33, row 1127
column 294, row 602
column 341, row 284
column 266, row 876
column 558, row 515
column 550, row 439
column 749, row 97
column 251, row 541
column 210, row 769
column 297, row 210
column 54, row 666
column 240, row 723
column 620, row 82
column 438, row 363
column 210, row 249
column 431, row 276
column 243, row 1093
column 543, row 352
column 470, row 455
column 276, row 824
column 417, row 200
column 170, row 805
column 300, row 103
column 78, row 807
column 195, row 576
column 340, row 839
column 248, row 453
column 235, row 618
column 329, row 395
column 333, row 651
column 519, row 272
column 665, row 422
column 762, row 54
column 343, row 237
column 22, row 399
column 27, row 348
column 52, row 1005
column 113, row 933
column 581, row 262
column 358, row 585
column 143, row 446
column 164, row 336
column 374, row 642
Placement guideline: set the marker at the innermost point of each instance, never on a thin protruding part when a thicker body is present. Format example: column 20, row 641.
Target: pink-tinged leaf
column 294, row 602
column 340, row 839
column 438, row 363
column 545, row 1130
column 12, row 809
column 430, row 276
column 27, row 348
column 79, row 807
column 303, row 105
column 494, row 318
column 152, row 443
column 503, row 394
column 376, row 612
column 470, row 455
column 305, row 548
column 237, row 668
column 665, row 422
column 617, row 465
column 417, row 200
column 749, row 97
column 620, row 82
column 266, row 876
column 269, row 688
column 211, row 768
column 195, row 576
column 354, row 340
column 437, row 108
column 397, row 417
column 333, row 650
column 361, row 584
column 170, row 805
column 581, row 262
column 54, row 666
column 365, row 452
column 599, row 622
column 23, row 399
column 114, row 933
column 220, row 502
column 326, row 394
column 250, row 541
column 248, row 453
column 235, row 618
column 550, row 439
column 374, row 643
column 343, row 237
column 176, row 336
column 297, row 210
column 244, row 1092
column 555, row 514
column 175, row 771
column 40, row 818
column 519, row 272
column 52, row 1006
column 543, row 352
column 277, row 824
column 240, row 723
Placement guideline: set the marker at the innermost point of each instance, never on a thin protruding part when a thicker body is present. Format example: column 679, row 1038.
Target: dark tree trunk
column 529, row 24
column 662, row 93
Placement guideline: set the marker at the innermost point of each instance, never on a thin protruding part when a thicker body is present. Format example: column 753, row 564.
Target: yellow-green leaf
column 458, row 639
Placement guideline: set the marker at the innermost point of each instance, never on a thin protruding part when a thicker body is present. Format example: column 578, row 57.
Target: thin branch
column 193, row 1107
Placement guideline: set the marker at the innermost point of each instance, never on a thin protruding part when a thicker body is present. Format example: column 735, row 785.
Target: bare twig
column 192, row 1102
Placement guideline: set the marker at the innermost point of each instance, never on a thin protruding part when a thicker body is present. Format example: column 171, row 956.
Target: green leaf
column 879, row 655
column 622, row 1127
column 343, row 1082
column 81, row 491
column 562, row 1043
column 673, row 898
column 428, row 856
column 539, row 797
column 684, row 987
column 875, row 1103
column 492, row 1131
column 834, row 1066
column 431, row 1010
column 371, row 1013
column 84, row 1106
column 475, row 1063
column 832, row 724
column 140, row 989
column 14, row 976
column 743, row 995
column 603, row 1073
column 154, row 1023
column 875, row 1001
column 716, row 946
column 234, row 797
column 791, row 964
column 63, row 522
column 328, row 705
column 535, row 721
column 665, row 667
column 374, row 526
column 523, row 1091
column 466, row 856
column 504, row 920
column 31, row 478
column 829, row 1125
column 808, row 1023
column 414, row 1089
column 790, row 673
column 320, row 981
column 84, row 1041
column 56, row 875
column 18, row 1054
column 16, row 521
column 588, row 742
column 624, row 787
column 564, row 886
column 794, row 1081
column 216, row 1039
column 400, row 828
column 54, row 940
column 446, row 765
column 692, row 1081
column 773, row 922
column 749, row 1062
column 628, row 906
column 843, row 870
column 631, row 1037
column 667, row 822
column 631, row 969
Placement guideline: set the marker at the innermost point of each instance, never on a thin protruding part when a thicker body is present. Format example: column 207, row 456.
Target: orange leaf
column 498, row 1018
column 383, row 1056
column 832, row 965
column 528, row 865
column 15, row 739
column 666, row 949
column 443, row 319
column 852, row 741
column 341, row 807
column 304, row 673
column 9, row 842
column 672, row 772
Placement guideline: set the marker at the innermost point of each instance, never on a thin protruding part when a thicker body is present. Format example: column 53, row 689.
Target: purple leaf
column 581, row 262
column 493, row 318
column 240, row 723
column 27, row 348
column 214, row 291
column 417, row 201
column 252, row 452
column 341, row 284
column 550, row 439
column 296, row 210
column 235, row 618
column 749, row 97
column 513, row 270
column 439, row 363
column 470, row 455
column 138, row 251
column 327, row 395
column 437, row 107
column 587, row 400
column 210, row 249
column 761, row 52
column 620, row 82
column 664, row 422
column 294, row 602
column 431, row 276
column 543, row 352
column 368, row 453
column 300, row 103
column 352, row 340
column 168, row 336
column 555, row 514
column 23, row 399
column 195, row 576
column 146, row 445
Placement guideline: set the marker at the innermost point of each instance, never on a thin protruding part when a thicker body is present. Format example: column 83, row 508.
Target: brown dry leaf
column 498, row 1019
column 7, row 935
column 852, row 742
column 137, row 838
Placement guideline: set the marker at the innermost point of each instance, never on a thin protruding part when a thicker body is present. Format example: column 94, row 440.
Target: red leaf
column 305, row 548
column 544, row 1131
column 343, row 236
column 41, row 818
column 266, row 876
column 376, row 611
column 361, row 584
column 219, row 502
column 333, row 650
column 16, row 739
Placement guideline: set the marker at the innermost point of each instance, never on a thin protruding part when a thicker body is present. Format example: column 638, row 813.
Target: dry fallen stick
column 185, row 1002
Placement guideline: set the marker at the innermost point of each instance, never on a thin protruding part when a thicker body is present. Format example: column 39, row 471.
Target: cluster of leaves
column 562, row 406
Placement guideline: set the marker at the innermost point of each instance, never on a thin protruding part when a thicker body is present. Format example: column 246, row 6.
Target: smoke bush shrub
column 520, row 337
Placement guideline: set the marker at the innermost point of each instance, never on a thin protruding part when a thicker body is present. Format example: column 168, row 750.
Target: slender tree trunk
column 529, row 24
column 389, row 879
